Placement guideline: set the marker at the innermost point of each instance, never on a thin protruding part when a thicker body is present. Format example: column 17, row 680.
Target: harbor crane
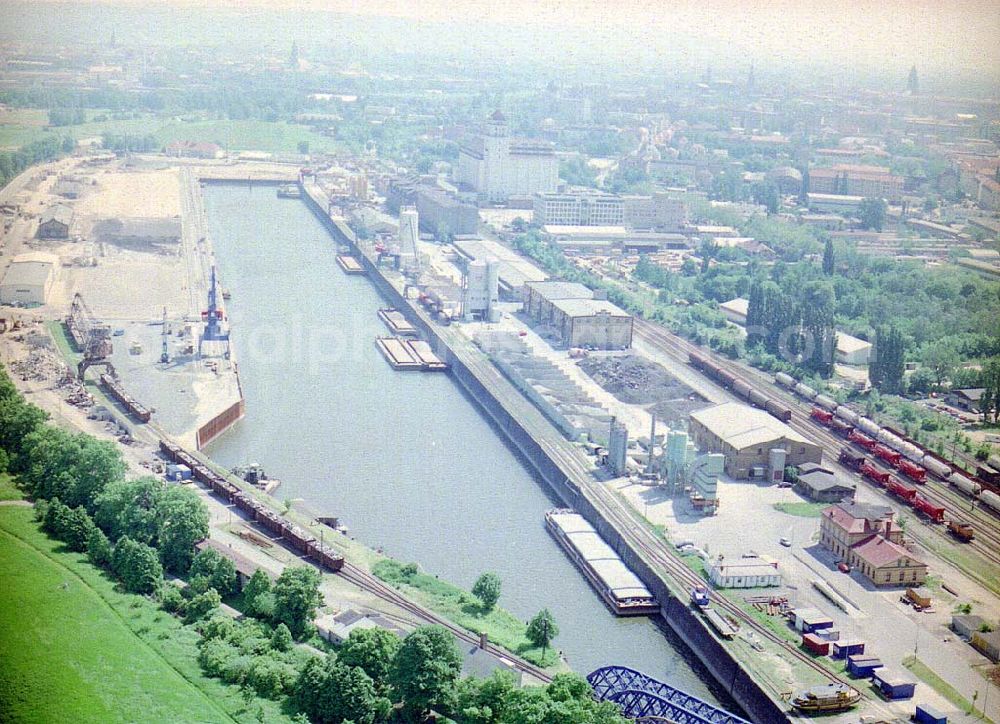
column 89, row 336
column 213, row 317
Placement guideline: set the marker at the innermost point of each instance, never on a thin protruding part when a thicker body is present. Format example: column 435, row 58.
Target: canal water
column 405, row 459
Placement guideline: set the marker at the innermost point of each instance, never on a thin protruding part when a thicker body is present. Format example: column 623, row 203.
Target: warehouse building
column 852, row 351
column 744, row 573
column 820, row 484
column 539, row 298
column 54, row 222
column 746, row 436
column 29, row 279
column 592, row 323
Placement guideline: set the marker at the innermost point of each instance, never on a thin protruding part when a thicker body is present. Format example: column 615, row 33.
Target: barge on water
column 620, row 588
column 398, row 354
column 349, row 264
column 397, row 323
column 289, row 191
column 410, row 354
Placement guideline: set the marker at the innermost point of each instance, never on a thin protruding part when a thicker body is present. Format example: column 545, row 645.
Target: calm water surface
column 404, row 458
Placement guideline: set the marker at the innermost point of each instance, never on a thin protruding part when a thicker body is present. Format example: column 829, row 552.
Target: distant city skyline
column 868, row 36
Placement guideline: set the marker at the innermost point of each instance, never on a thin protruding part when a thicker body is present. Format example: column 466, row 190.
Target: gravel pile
column 637, row 381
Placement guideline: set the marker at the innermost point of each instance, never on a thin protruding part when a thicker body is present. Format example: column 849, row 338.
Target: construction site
column 130, row 297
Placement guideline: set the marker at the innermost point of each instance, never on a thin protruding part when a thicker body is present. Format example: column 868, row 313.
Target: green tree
column 373, row 651
column 484, row 701
column 258, row 587
column 329, row 691
column 296, row 597
column 941, row 358
column 425, row 672
column 137, row 566
column 487, row 590
column 872, row 213
column 281, row 639
column 18, row 420
column 202, row 606
column 129, row 508
column 829, row 261
column 183, row 521
column 99, row 548
column 74, row 468
column 219, row 571
column 542, row 629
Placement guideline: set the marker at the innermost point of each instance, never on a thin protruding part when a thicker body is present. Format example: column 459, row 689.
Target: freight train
column 136, row 409
column 894, row 447
column 274, row 523
column 741, row 387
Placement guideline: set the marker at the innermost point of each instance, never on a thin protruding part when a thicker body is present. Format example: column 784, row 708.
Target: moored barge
column 620, row 588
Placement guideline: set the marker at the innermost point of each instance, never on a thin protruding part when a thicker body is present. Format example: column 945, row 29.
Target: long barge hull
column 642, row 605
column 296, row 537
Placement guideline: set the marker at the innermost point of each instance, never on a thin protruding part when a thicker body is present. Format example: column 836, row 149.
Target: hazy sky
column 878, row 33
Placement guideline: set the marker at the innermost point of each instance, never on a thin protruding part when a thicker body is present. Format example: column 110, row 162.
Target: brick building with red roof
column 866, row 537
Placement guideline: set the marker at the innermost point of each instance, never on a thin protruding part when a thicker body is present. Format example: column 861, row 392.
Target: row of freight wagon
column 907, row 493
column 741, row 387
column 886, row 443
column 271, row 521
column 135, row 408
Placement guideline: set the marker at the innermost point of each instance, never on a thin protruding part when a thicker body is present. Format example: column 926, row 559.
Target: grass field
column 802, row 510
column 25, row 126
column 922, row 672
column 88, row 652
column 9, row 491
column 463, row 608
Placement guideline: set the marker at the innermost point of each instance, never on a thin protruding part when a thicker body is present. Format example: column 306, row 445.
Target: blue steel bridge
column 643, row 698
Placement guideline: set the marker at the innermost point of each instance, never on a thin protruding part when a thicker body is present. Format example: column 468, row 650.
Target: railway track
column 956, row 506
column 387, row 593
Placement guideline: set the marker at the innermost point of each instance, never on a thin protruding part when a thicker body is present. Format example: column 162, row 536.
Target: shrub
column 202, row 606
column 137, row 566
column 98, row 548
column 171, row 599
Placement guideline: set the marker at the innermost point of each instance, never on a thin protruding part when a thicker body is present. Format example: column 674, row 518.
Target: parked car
column 843, row 567
column 785, row 542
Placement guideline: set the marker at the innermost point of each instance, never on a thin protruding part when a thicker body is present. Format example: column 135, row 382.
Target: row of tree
column 798, row 329
column 887, row 362
column 375, row 676
column 45, row 149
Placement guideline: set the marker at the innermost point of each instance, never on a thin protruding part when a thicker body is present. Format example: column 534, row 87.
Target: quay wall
column 678, row 614
column 220, row 423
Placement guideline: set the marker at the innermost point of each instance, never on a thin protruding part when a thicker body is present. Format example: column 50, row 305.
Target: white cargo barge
column 620, row 588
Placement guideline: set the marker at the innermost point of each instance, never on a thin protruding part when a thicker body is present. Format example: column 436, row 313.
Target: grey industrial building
column 139, row 232
column 746, row 436
column 438, row 211
column 820, row 484
column 54, row 222
column 592, row 323
column 28, row 279
column 582, row 321
column 539, row 296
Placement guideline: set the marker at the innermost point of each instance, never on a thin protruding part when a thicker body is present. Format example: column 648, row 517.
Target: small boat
column 289, row 191
column 829, row 697
column 226, row 294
